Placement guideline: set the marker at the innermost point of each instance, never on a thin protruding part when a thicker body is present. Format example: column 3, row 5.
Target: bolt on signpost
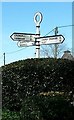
column 29, row 39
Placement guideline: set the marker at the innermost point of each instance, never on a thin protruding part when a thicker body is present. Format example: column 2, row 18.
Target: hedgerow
column 34, row 77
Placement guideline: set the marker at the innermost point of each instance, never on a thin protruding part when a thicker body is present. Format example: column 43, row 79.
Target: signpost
column 37, row 22
column 57, row 39
column 28, row 39
column 25, row 44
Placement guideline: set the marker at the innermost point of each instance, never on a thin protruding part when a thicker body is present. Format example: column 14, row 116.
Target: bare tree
column 49, row 50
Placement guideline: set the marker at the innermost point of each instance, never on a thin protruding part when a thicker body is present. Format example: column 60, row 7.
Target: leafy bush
column 29, row 78
column 42, row 107
column 30, row 110
column 55, row 108
column 9, row 115
column 46, row 108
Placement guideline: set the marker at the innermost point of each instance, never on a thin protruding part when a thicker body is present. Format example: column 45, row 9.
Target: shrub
column 32, row 76
column 9, row 115
column 46, row 108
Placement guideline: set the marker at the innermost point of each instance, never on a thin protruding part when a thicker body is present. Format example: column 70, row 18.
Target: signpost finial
column 38, row 18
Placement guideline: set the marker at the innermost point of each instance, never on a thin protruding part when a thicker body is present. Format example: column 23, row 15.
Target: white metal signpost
column 57, row 39
column 25, row 44
column 28, row 39
column 42, row 41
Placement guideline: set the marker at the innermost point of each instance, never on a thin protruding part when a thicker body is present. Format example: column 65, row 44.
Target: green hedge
column 42, row 108
column 47, row 108
column 9, row 115
column 32, row 77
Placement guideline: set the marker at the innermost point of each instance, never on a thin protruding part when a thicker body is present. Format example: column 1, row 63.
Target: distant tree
column 49, row 50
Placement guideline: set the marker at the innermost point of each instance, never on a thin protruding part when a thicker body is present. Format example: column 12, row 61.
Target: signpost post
column 29, row 39
column 37, row 22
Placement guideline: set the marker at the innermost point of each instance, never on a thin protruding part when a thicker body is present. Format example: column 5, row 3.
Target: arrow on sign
column 23, row 37
column 50, row 39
